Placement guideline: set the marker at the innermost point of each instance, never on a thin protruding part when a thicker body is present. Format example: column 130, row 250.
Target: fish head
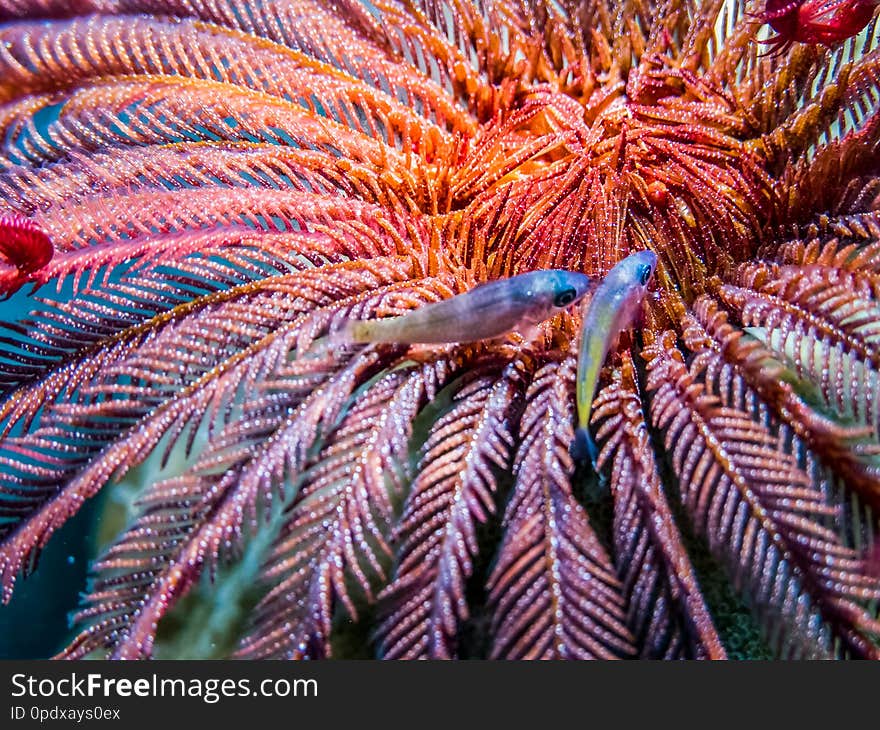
column 644, row 264
column 542, row 294
column 633, row 274
column 558, row 289
column 629, row 281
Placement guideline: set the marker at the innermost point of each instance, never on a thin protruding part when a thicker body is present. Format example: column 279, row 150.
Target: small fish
column 486, row 311
column 611, row 310
column 823, row 22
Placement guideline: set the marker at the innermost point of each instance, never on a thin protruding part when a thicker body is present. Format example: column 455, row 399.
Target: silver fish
column 611, row 310
column 486, row 311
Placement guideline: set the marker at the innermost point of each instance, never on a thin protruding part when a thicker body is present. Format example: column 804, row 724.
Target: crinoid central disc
column 659, row 162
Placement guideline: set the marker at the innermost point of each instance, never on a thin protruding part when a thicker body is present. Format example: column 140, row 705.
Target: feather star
column 224, row 183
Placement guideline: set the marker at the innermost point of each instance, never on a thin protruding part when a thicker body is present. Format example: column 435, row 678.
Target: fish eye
column 645, row 274
column 565, row 297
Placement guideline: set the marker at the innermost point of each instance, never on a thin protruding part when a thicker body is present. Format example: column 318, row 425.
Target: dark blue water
column 35, row 623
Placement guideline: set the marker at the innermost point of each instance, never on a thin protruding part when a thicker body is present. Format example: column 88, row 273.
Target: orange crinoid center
column 579, row 176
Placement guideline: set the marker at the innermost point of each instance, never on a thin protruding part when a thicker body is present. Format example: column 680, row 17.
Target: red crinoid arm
column 24, row 246
column 814, row 21
column 833, row 21
column 23, row 243
column 775, row 10
column 781, row 16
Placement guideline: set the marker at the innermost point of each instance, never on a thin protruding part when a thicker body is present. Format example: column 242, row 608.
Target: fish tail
column 583, row 446
column 348, row 333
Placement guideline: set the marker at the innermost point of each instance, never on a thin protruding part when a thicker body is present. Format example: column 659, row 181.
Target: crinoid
column 225, row 182
column 814, row 21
